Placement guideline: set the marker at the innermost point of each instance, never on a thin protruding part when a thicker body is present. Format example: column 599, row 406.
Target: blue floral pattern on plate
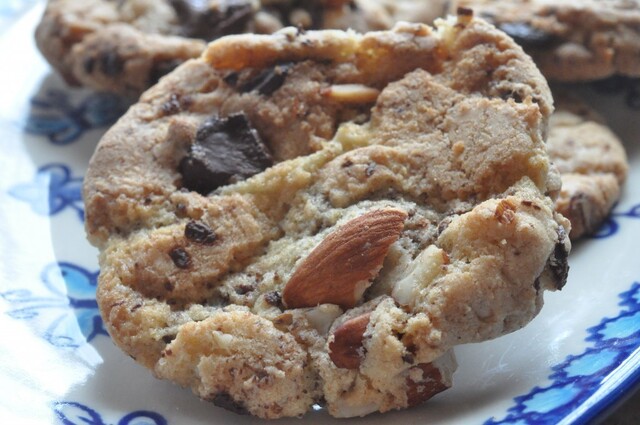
column 579, row 376
column 52, row 190
column 611, row 226
column 74, row 413
column 55, row 116
column 69, row 304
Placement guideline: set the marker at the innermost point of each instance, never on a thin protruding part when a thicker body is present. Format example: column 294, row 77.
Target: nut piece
column 424, row 381
column 421, row 273
column 352, row 93
column 321, row 318
column 342, row 266
column 346, row 348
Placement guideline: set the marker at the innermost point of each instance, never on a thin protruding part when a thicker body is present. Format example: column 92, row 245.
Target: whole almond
column 423, row 389
column 346, row 348
column 343, row 265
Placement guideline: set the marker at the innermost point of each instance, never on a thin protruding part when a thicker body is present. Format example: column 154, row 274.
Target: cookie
column 570, row 40
column 320, row 217
column 592, row 162
column 126, row 46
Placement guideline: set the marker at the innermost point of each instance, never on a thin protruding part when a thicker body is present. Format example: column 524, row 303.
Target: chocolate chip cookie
column 570, row 40
column 318, row 218
column 125, row 46
column 592, row 162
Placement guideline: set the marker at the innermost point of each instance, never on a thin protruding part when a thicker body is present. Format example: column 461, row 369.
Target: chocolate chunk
column 244, row 288
column 199, row 232
column 274, row 298
column 211, row 20
column 558, row 263
column 89, row 64
column 180, row 257
column 526, row 35
column 227, row 402
column 111, row 64
column 226, row 150
column 268, row 81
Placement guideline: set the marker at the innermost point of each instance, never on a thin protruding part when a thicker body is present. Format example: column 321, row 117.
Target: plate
column 58, row 365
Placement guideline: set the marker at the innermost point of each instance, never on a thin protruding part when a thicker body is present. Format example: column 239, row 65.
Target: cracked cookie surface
column 125, row 46
column 393, row 202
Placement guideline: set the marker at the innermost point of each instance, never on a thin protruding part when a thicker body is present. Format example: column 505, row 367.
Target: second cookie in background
column 592, row 162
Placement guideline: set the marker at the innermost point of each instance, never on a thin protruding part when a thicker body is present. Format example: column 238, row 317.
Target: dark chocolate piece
column 558, row 263
column 211, row 20
column 89, row 64
column 244, row 288
column 180, row 257
column 274, row 298
column 111, row 63
column 268, row 81
column 199, row 232
column 226, row 150
column 168, row 338
column 526, row 35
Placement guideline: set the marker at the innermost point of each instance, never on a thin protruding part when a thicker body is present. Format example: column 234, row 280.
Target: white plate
column 58, row 366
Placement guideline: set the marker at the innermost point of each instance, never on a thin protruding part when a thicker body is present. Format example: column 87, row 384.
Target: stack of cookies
column 313, row 215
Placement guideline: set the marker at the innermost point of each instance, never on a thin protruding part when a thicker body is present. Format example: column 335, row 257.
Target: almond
column 342, row 266
column 351, row 93
column 346, row 348
column 422, row 389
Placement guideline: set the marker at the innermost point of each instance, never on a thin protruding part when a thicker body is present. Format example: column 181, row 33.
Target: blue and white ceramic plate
column 58, row 365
